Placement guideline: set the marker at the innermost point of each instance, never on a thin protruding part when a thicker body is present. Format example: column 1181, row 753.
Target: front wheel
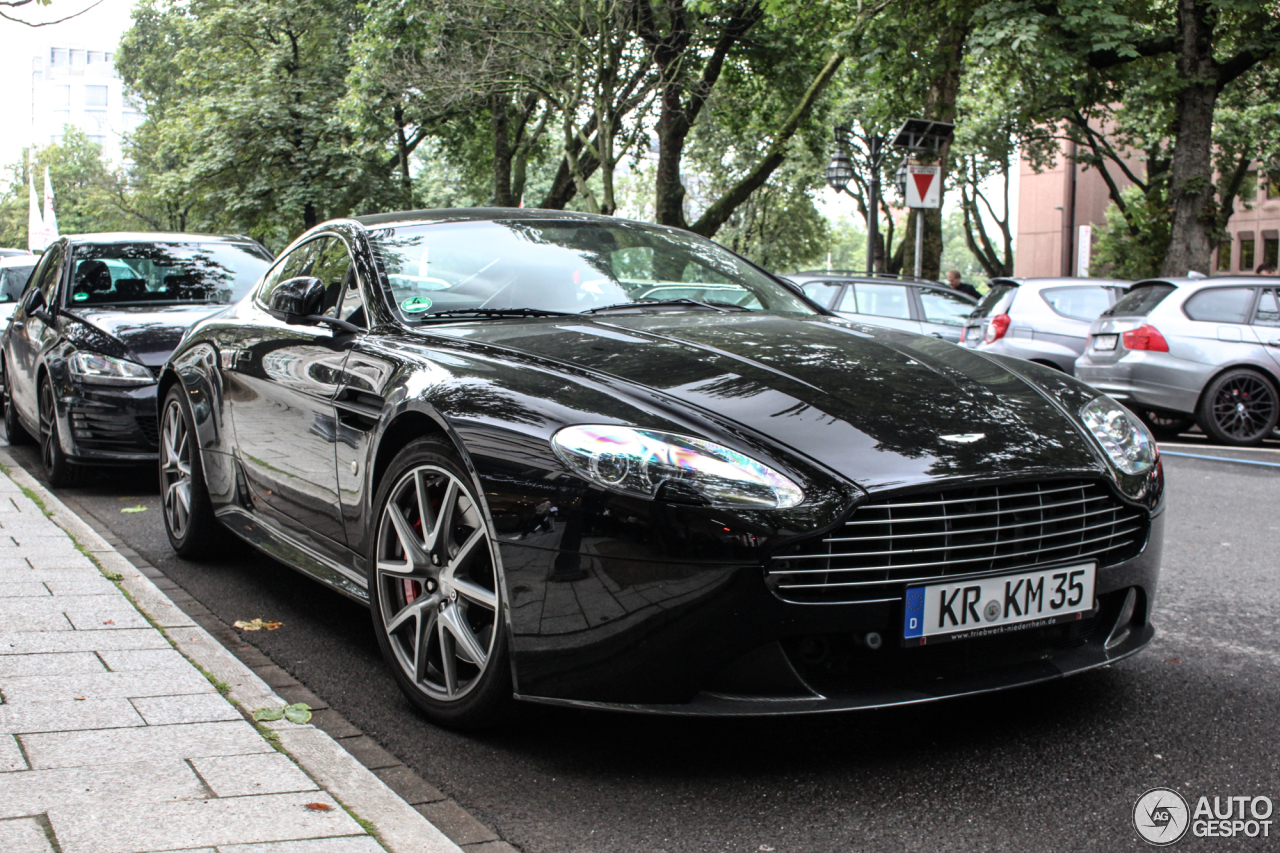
column 188, row 514
column 435, row 590
column 57, row 468
column 1240, row 408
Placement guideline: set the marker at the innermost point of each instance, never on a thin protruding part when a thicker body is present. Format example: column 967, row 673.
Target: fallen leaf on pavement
column 298, row 712
column 79, row 698
column 268, row 715
column 319, row 807
column 257, row 625
column 109, row 622
column 138, row 508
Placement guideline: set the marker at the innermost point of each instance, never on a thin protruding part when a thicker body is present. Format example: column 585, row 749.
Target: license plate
column 985, row 607
column 1105, row 342
column 973, row 333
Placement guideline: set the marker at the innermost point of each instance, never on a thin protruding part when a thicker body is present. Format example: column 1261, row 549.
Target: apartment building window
column 1249, row 187
column 1246, row 255
column 1273, row 185
column 95, row 96
column 77, row 61
column 58, row 57
column 95, row 57
column 1224, row 256
column 1270, row 251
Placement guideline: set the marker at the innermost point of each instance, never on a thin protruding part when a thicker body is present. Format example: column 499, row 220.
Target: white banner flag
column 50, row 218
column 35, row 224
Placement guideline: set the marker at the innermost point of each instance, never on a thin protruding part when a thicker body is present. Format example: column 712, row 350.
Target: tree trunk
column 673, row 127
column 1191, row 193
column 940, row 105
column 502, row 196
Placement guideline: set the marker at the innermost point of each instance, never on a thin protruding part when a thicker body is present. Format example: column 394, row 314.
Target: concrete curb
column 399, row 827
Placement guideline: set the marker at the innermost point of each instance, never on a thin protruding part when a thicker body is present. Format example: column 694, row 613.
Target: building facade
column 78, row 86
column 1061, row 208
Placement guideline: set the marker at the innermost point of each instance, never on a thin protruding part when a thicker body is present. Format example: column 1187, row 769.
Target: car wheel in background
column 14, row 430
column 1240, row 407
column 1165, row 426
column 57, row 468
column 188, row 514
column 435, row 590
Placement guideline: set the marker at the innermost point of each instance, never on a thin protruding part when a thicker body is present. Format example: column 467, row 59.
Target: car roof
column 157, row 237
column 479, row 214
column 1192, row 284
column 19, row 260
column 853, row 275
column 1060, row 280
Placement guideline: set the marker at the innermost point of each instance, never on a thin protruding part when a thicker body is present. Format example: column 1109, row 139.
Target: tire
column 1165, row 427
column 1239, row 408
column 60, row 471
column 14, row 430
column 435, row 592
column 188, row 513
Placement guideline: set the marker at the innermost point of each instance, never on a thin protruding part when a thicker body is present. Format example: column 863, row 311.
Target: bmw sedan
column 1193, row 350
column 577, row 460
column 98, row 318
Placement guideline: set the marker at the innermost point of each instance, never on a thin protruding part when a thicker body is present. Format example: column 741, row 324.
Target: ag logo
column 1161, row 817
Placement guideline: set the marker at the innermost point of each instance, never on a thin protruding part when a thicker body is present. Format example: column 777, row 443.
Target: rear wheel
column 188, row 513
column 14, row 430
column 1240, row 407
column 435, row 590
column 57, row 468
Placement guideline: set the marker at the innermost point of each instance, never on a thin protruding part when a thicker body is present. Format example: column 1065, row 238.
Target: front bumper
column 687, row 639
column 108, row 425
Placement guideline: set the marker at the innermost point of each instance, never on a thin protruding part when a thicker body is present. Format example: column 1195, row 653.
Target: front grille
column 890, row 543
column 124, row 433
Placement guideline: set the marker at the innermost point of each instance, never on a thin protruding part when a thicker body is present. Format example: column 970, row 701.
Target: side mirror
column 298, row 301
column 33, row 305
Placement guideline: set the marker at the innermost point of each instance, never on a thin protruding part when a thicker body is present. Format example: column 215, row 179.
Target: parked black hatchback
column 97, row 320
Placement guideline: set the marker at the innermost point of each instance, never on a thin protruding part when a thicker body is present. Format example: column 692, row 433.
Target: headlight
column 638, row 462
column 1122, row 436
column 98, row 369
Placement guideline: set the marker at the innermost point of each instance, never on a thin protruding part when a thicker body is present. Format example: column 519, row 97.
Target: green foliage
column 86, row 193
column 1133, row 245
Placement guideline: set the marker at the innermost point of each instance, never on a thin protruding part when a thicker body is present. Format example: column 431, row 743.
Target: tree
column 84, row 187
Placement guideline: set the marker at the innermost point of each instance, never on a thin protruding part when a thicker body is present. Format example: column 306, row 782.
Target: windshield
column 13, row 280
column 147, row 273
column 564, row 266
column 995, row 301
column 1140, row 301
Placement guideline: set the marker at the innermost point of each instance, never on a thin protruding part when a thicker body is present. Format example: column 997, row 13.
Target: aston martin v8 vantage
column 584, row 461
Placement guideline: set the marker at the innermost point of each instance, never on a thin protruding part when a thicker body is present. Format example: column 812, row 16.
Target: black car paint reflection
column 622, row 601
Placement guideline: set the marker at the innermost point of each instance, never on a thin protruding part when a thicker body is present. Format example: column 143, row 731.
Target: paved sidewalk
column 113, row 741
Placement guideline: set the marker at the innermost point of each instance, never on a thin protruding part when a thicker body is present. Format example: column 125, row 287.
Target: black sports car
column 586, row 461
column 98, row 318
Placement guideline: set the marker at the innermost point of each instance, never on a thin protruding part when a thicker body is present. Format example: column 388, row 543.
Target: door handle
column 236, row 359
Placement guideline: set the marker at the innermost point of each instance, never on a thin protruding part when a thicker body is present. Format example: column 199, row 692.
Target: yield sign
column 924, row 186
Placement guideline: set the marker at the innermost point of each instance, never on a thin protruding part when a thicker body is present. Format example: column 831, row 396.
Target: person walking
column 954, row 282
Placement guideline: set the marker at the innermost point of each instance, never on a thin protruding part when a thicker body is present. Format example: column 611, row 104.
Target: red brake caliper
column 413, row 589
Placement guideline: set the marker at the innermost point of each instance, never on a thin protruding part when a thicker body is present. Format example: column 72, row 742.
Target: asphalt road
column 1050, row 767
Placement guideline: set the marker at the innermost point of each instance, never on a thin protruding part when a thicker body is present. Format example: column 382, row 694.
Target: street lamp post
column 841, row 170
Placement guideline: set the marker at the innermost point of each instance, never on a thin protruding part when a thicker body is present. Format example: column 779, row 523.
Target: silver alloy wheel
column 437, row 583
column 48, row 426
column 175, row 469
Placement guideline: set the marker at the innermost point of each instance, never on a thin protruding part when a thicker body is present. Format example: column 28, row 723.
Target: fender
column 197, row 370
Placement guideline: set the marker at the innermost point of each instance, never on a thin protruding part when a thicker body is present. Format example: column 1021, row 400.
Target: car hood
column 148, row 333
column 883, row 408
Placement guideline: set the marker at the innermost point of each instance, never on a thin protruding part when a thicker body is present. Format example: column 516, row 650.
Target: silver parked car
column 1045, row 320
column 1179, row 349
column 897, row 302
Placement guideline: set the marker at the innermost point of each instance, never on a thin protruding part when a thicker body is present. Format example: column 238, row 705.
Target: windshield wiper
column 722, row 307
column 496, row 312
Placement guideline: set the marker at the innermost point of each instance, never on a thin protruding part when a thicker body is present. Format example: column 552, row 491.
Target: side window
column 822, row 292
column 1077, row 303
column 298, row 262
column 882, row 300
column 1221, row 305
column 1268, row 309
column 351, row 308
column 334, row 269
column 946, row 309
column 47, row 274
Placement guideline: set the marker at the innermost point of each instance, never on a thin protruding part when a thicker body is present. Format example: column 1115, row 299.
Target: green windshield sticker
column 80, row 297
column 415, row 305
